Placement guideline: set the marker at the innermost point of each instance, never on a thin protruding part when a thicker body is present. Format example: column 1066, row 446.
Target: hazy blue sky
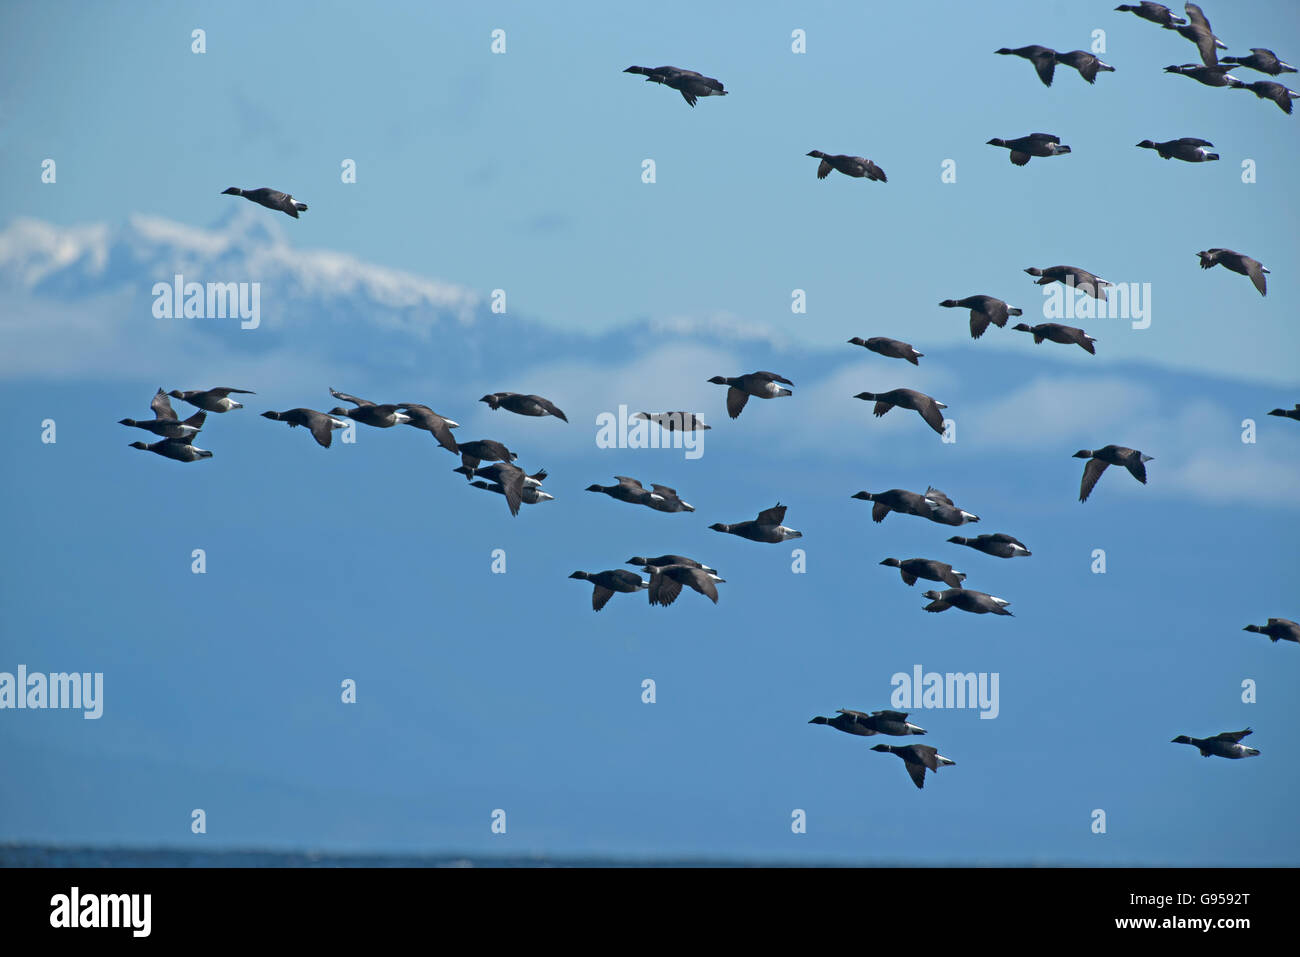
column 522, row 172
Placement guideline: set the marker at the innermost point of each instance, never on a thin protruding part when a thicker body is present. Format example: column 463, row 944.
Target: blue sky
column 522, row 172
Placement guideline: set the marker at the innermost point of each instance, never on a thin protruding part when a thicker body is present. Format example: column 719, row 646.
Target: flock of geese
column 669, row 574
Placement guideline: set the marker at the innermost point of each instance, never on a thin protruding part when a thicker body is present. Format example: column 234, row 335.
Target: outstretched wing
column 162, row 407
column 1091, row 472
column 772, row 516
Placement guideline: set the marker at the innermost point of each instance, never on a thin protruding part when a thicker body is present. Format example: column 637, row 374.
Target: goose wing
column 1091, row 472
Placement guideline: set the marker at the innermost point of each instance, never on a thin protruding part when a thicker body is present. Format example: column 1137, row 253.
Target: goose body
column 1225, row 744
column 179, row 449
column 1199, row 32
column 943, row 511
column 688, row 83
column 1236, row 262
column 608, row 582
column 975, row 602
column 482, row 450
column 1189, row 149
column 666, row 583
column 913, row 568
column 1043, row 58
column 424, row 418
column 999, row 545
column 320, row 425
column 368, row 413
column 917, row 758
column 1066, row 335
column 927, row 407
column 895, row 500
column 1101, row 459
column 856, row 166
column 1071, row 276
column 211, row 400
column 534, row 405
column 1211, row 74
column 983, row 310
column 270, row 198
column 164, row 423
column 1277, row 629
column 627, row 490
column 664, row 560
column 1288, row 413
column 740, row 388
column 890, row 348
column 1087, row 64
column 893, row 723
column 1155, row 12
column 766, row 527
column 1023, row 148
column 1268, row 90
column 674, row 421
column 1261, row 60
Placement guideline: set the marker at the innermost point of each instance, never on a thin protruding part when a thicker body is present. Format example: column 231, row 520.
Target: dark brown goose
column 918, row 758
column 686, row 82
column 1103, row 458
column 975, row 602
column 1262, row 60
column 1072, row 277
column 320, row 425
column 674, row 421
column 164, row 423
column 482, row 450
column 211, row 400
column 533, row 405
column 1236, row 262
column 1277, row 629
column 1225, row 744
column 1268, row 90
column 857, row 166
column 927, row 407
column 1199, row 32
column 895, row 500
column 761, row 384
column 983, row 310
column 1065, row 335
column 666, row 583
column 999, row 545
column 181, row 449
column 766, row 527
column 1212, row 75
column 1155, row 12
column 368, row 413
column 1189, row 149
column 913, row 568
column 1087, row 64
column 608, row 582
column 270, row 198
column 893, row 723
column 1043, row 58
column 890, row 348
column 1023, row 148
column 1288, row 413
column 424, row 418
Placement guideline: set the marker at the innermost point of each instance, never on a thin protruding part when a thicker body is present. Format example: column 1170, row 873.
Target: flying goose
column 493, row 473
column 1043, row 59
column 164, row 423
column 943, row 511
column 1211, row 75
column 766, row 528
column 270, row 198
column 686, row 82
column 1262, row 60
column 1101, row 459
column 627, row 490
column 1199, row 32
column 368, row 413
column 983, row 310
column 1277, row 629
column 1189, row 149
column 320, row 425
column 1236, row 262
column 662, row 560
column 211, row 400
column 179, row 449
column 1225, row 744
column 919, row 402
column 1288, row 413
column 917, row 758
column 610, row 581
column 674, row 421
column 893, row 723
column 1073, row 277
column 439, row 426
column 1034, row 144
column 531, row 494
column 523, row 404
column 1087, row 64
column 482, row 450
column 1155, row 12
column 895, row 500
column 999, row 545
column 976, row 602
column 1268, row 90
column 1066, row 335
column 890, row 348
column 913, row 568
column 858, row 166
column 666, row 583
column 665, row 499
column 762, row 384
column 510, row 479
